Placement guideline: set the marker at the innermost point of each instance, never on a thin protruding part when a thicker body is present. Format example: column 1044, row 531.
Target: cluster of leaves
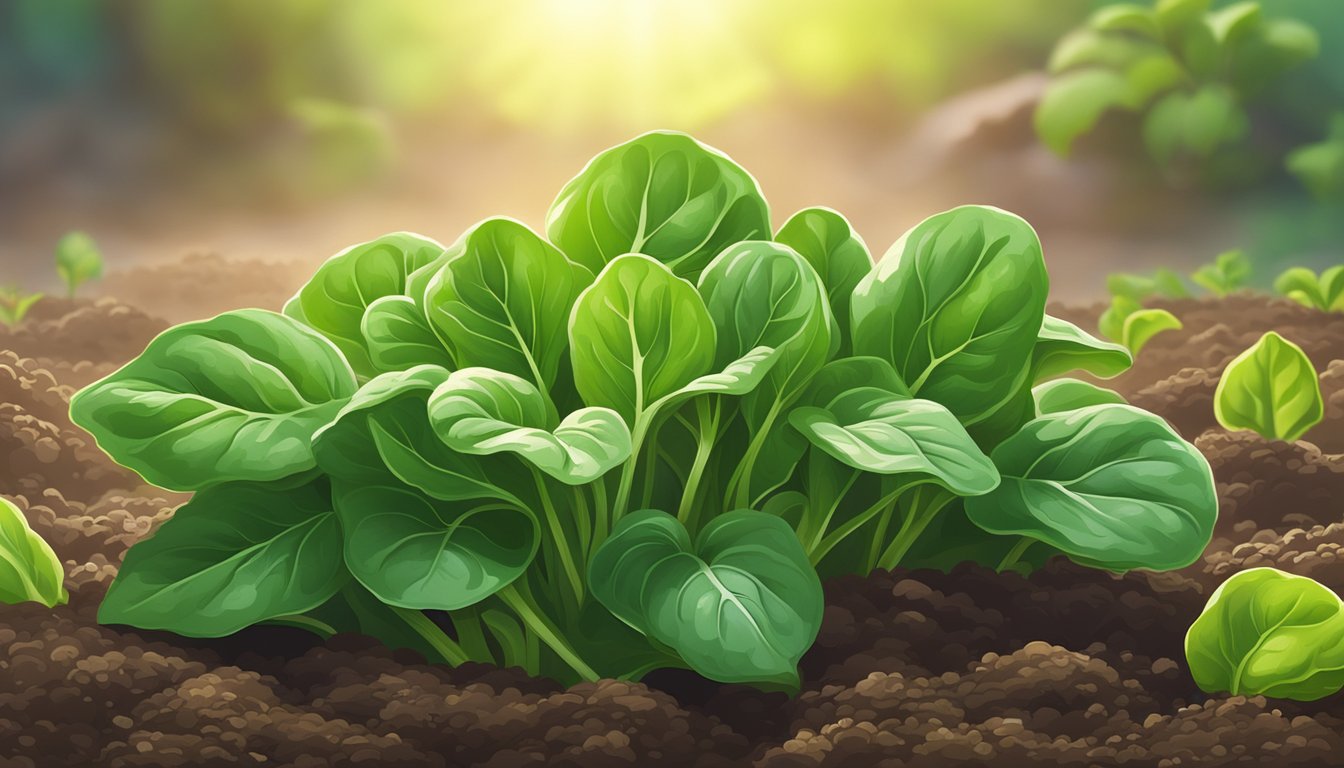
column 1272, row 389
column 1130, row 323
column 1324, row 291
column 634, row 443
column 78, row 260
column 1269, row 633
column 15, row 303
column 1188, row 69
column 29, row 569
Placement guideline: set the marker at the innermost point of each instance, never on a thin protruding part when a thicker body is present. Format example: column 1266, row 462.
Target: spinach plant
column 636, row 442
column 1190, row 72
column 1272, row 389
column 78, row 260
column 15, row 304
column 1324, row 291
column 29, row 570
column 1133, row 325
column 1228, row 272
column 1266, row 632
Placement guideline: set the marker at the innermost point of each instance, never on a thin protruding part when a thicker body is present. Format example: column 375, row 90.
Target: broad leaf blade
column 398, row 336
column 1110, row 485
column 1271, row 388
column 1062, row 347
column 1070, row 395
column 233, row 556
column 836, row 252
column 237, row 397
column 662, row 194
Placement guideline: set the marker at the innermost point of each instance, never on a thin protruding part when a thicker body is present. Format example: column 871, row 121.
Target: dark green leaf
column 836, row 252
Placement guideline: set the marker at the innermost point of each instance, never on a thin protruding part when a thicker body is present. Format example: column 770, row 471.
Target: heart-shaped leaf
column 1110, row 485
column 233, row 556
column 335, row 299
column 662, row 194
column 237, row 397
column 873, row 430
column 482, row 412
column 637, row 334
column 416, row 552
column 29, row 570
column 741, row 605
column 502, row 300
column 1269, row 633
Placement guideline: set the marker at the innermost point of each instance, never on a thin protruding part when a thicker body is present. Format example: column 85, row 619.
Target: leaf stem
column 707, row 434
column 914, row 525
column 560, row 539
column 821, row 548
column 544, row 630
column 430, row 632
column 1015, row 554
column 739, row 485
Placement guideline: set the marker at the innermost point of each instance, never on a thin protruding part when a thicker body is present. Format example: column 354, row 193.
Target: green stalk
column 602, row 521
column 707, row 435
column 470, row 634
column 637, row 436
column 560, row 539
column 739, row 485
column 821, row 548
column 812, row 530
column 300, row 621
column 914, row 525
column 1015, row 554
column 544, row 630
column 419, row 623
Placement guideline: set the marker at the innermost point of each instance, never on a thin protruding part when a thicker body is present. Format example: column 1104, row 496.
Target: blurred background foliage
column 305, row 100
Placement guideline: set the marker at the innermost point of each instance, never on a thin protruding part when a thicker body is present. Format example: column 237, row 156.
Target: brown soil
column 1066, row 666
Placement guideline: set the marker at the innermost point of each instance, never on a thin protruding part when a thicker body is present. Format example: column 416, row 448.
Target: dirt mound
column 81, row 340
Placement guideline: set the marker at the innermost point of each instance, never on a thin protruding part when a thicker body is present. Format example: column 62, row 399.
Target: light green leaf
column 1234, row 22
column 876, row 431
column 1074, row 102
column 1269, row 633
column 1271, row 389
column 837, row 254
column 78, row 260
column 637, row 334
column 235, row 555
column 422, row 553
column 1142, row 325
column 1196, row 123
column 1070, row 395
column 1175, row 15
column 1229, row 271
column 335, row 299
column 237, row 397
column 29, row 569
column 741, row 605
column 502, row 300
column 662, row 194
column 956, row 305
column 398, row 336
column 1062, row 347
column 1126, row 17
column 482, row 412
column 1109, row 485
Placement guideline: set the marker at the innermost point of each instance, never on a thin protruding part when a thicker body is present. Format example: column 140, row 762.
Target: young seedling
column 1324, row 292
column 1227, row 273
column 1269, row 633
column 633, row 443
column 32, row 573
column 15, row 304
column 1163, row 282
column 78, row 261
column 1271, row 389
column 1128, row 322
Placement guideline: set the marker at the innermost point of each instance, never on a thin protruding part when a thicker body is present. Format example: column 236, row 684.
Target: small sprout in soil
column 29, row 570
column 1272, row 389
column 1128, row 322
column 15, row 304
column 1162, row 282
column 78, row 260
column 1269, row 633
column 1228, row 272
column 634, row 443
column 1324, row 292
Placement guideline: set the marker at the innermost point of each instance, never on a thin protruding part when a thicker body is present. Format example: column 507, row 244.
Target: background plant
column 78, row 261
column 1188, row 69
column 29, row 570
column 1269, row 633
column 633, row 443
column 14, row 304
column 1271, row 388
column 1324, row 291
